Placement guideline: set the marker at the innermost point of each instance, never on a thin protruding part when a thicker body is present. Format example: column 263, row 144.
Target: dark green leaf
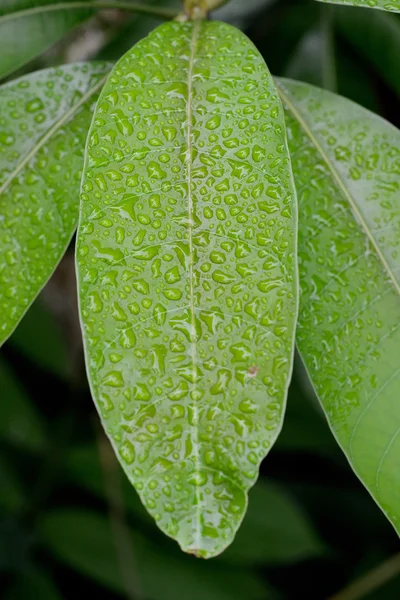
column 12, row 495
column 187, row 274
column 84, row 540
column 38, row 324
column 33, row 584
column 28, row 27
column 346, row 163
column 19, row 422
column 275, row 530
column 383, row 34
column 44, row 119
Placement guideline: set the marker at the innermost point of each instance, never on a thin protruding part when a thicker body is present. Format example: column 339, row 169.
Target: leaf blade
column 37, row 225
column 25, row 33
column 194, row 233
column 388, row 5
column 348, row 332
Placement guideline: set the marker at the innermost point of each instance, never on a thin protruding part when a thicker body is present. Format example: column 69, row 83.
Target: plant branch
column 162, row 13
column 373, row 580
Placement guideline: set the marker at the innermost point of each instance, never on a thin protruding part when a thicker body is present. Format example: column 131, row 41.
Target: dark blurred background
column 69, row 521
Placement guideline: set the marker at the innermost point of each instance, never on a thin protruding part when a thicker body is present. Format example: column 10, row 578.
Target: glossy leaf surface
column 28, row 28
column 390, row 5
column 186, row 267
column 44, row 119
column 346, row 163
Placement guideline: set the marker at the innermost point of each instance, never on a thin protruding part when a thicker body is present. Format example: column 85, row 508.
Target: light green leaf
column 29, row 27
column 346, row 163
column 187, row 274
column 84, row 540
column 383, row 34
column 20, row 424
column 44, row 119
column 391, row 5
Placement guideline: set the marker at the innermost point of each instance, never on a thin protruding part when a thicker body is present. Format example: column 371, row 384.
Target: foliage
column 195, row 164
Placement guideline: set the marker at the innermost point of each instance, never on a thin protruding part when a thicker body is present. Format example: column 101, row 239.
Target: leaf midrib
column 338, row 179
column 46, row 137
column 193, row 350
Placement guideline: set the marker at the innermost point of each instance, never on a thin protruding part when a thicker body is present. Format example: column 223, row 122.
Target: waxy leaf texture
column 186, row 258
column 44, row 120
column 346, row 163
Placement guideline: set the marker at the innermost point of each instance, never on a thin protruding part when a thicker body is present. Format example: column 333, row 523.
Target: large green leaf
column 391, row 5
column 85, row 541
column 28, row 27
column 187, row 274
column 346, row 163
column 44, row 119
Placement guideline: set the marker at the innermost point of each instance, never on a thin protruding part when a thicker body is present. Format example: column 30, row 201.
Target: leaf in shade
column 44, row 120
column 84, row 541
column 187, row 274
column 383, row 34
column 20, row 424
column 51, row 353
column 29, row 27
column 346, row 163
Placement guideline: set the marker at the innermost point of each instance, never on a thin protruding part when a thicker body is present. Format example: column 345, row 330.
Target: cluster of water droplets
column 186, row 255
column 39, row 178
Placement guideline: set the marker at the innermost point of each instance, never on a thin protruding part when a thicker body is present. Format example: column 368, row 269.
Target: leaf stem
column 162, row 13
column 373, row 580
column 328, row 55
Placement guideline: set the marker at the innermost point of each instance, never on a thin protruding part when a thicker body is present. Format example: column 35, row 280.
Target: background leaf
column 44, row 119
column 26, row 31
column 84, row 540
column 383, row 34
column 38, row 324
column 391, row 5
column 346, row 163
column 19, row 422
column 188, row 338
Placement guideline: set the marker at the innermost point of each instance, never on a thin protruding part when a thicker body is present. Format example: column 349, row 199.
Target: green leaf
column 12, row 495
column 346, row 163
column 20, row 424
column 187, row 274
column 51, row 353
column 44, row 119
column 28, row 28
column 33, row 584
column 383, row 34
column 84, row 540
column 391, row 5
column 275, row 530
